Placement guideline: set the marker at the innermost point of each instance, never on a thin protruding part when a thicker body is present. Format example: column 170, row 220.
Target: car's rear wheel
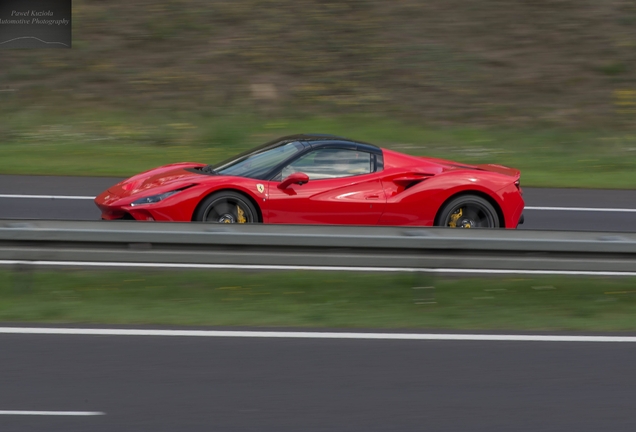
column 468, row 211
column 226, row 207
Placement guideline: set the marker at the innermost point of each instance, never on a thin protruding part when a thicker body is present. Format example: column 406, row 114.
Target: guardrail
column 302, row 245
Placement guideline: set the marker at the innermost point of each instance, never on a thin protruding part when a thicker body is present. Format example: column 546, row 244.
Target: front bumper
column 107, row 203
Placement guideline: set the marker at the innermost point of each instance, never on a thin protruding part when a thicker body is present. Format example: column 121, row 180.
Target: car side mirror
column 295, row 178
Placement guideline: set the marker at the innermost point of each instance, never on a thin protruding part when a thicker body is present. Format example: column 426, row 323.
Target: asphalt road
column 230, row 384
column 579, row 220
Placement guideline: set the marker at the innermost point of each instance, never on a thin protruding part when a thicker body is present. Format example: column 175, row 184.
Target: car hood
column 162, row 179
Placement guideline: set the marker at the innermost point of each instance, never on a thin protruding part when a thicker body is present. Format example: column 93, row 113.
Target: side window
column 331, row 163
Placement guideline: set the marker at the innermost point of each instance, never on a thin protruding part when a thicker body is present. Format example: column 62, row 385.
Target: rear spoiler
column 501, row 170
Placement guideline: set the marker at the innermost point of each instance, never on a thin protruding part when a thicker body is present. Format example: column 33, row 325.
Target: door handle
column 372, row 197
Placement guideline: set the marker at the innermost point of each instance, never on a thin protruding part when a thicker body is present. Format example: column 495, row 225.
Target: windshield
column 257, row 164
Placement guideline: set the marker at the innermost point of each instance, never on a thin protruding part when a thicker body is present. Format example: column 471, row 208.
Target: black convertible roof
column 320, row 140
column 321, row 137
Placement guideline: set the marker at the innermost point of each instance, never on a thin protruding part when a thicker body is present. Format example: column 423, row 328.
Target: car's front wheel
column 226, row 207
column 468, row 211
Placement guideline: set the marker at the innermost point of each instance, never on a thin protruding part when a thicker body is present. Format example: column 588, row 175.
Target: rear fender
column 419, row 204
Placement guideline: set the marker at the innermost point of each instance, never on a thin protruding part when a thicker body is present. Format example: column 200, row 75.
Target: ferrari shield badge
column 260, row 188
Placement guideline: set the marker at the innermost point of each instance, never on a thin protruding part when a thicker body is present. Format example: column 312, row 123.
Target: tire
column 468, row 211
column 226, row 207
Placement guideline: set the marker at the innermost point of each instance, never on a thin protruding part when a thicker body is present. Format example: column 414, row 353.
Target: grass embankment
column 313, row 299
column 107, row 144
column 547, row 87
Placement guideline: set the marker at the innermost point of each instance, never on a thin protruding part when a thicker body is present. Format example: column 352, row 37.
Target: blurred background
column 548, row 86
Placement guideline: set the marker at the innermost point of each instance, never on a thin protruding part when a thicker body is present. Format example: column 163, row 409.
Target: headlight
column 154, row 198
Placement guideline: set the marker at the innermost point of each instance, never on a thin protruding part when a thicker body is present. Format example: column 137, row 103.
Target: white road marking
column 61, row 197
column 312, row 268
column 51, row 413
column 583, row 209
column 313, row 335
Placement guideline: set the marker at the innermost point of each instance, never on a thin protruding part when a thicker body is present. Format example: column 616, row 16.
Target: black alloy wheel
column 226, row 207
column 468, row 211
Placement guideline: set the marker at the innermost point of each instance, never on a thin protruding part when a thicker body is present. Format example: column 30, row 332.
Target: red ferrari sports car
column 322, row 179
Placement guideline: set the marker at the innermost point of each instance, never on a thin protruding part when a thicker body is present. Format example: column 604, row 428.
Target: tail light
column 519, row 187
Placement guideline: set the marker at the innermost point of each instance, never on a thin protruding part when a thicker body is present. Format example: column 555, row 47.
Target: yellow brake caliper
column 241, row 215
column 454, row 217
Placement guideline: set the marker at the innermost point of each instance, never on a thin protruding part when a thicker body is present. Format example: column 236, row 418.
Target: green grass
column 122, row 144
column 310, row 299
column 474, row 84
